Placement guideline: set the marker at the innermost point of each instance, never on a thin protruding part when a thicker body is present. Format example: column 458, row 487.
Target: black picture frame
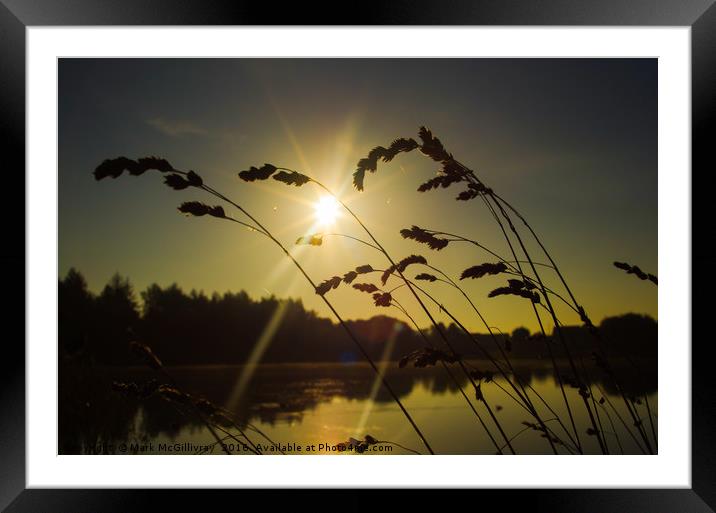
column 17, row 15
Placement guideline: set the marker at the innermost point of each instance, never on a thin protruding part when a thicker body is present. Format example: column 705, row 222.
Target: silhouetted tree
column 74, row 313
column 521, row 343
column 630, row 335
column 116, row 320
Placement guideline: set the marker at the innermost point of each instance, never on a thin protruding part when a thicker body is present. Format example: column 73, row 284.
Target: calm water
column 324, row 404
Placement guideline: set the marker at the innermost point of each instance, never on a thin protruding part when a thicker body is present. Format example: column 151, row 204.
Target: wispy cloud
column 176, row 128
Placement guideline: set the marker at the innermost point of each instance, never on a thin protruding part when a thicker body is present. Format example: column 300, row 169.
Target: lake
column 323, row 404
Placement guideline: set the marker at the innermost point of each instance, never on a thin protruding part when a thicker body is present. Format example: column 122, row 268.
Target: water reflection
column 326, row 402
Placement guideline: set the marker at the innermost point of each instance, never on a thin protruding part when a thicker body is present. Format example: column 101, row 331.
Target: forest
column 186, row 328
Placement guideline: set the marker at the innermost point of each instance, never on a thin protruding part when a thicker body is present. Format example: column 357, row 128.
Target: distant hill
column 192, row 328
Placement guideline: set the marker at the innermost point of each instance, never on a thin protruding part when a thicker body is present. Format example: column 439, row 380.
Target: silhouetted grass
column 180, row 180
column 633, row 269
column 381, row 299
column 521, row 270
column 532, row 288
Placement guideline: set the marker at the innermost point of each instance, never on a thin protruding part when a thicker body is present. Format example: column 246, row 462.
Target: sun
column 326, row 210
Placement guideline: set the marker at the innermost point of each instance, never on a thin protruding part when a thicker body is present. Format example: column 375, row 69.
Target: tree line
column 193, row 328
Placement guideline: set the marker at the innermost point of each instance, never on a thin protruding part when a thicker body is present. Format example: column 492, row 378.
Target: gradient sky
column 572, row 143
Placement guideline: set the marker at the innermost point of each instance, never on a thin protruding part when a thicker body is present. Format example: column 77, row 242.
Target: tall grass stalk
column 483, row 351
column 190, row 178
column 449, row 281
column 527, row 405
column 455, row 172
column 621, row 419
column 295, row 178
column 335, row 313
column 517, row 271
column 154, row 363
column 499, row 201
column 555, row 367
column 520, row 272
column 452, row 377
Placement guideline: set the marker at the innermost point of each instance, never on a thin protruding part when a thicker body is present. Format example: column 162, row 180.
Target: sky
column 571, row 143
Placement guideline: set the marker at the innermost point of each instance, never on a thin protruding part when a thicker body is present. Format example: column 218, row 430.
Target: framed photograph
column 428, row 249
